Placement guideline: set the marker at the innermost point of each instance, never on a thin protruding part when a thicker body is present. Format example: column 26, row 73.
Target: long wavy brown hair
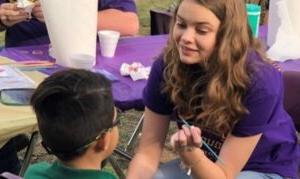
column 212, row 92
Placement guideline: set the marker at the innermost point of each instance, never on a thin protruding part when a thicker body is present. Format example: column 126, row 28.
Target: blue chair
column 291, row 80
column 7, row 175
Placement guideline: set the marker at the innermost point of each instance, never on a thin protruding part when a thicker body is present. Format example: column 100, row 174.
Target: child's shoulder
column 44, row 170
column 107, row 175
column 36, row 170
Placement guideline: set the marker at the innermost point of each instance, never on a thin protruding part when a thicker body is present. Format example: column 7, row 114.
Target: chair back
column 291, row 80
column 160, row 21
column 8, row 175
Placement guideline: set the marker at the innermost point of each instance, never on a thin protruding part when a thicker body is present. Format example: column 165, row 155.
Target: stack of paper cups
column 82, row 61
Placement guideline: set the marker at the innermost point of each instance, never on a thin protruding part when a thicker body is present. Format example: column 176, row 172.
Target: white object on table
column 136, row 71
column 284, row 30
column 72, row 27
column 108, row 42
column 12, row 78
column 26, row 5
column 83, row 61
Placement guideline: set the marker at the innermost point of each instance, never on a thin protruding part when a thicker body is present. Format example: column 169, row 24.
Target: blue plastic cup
column 253, row 12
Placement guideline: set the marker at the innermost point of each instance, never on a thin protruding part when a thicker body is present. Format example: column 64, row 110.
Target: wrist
column 189, row 156
column 190, row 160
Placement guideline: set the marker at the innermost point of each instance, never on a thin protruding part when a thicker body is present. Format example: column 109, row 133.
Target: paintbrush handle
column 213, row 153
column 204, row 143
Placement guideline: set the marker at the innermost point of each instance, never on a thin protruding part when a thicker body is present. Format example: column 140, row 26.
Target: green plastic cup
column 253, row 12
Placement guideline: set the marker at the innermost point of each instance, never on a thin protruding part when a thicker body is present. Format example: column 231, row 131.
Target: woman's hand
column 37, row 12
column 187, row 142
column 186, row 139
column 10, row 14
column 276, row 65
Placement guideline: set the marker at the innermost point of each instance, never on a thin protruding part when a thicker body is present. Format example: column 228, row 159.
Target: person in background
column 214, row 76
column 77, row 122
column 21, row 27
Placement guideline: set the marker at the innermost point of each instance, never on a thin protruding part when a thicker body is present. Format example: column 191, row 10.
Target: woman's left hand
column 37, row 12
column 186, row 139
column 276, row 65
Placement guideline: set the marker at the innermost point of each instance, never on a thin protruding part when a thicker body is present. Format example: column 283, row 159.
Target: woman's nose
column 188, row 35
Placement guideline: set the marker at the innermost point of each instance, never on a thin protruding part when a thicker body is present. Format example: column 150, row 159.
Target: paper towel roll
column 294, row 13
column 283, row 30
column 290, row 19
column 72, row 27
column 273, row 21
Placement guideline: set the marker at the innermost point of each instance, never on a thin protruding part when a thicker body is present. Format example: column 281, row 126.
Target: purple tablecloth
column 127, row 93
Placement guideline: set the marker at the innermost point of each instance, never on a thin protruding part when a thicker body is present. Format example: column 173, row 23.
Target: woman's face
column 195, row 32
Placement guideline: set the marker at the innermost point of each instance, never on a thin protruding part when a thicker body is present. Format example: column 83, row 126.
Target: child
column 76, row 119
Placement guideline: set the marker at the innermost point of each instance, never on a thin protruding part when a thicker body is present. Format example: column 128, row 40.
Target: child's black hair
column 72, row 108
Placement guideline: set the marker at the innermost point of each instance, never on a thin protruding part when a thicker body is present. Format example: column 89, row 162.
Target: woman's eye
column 202, row 31
column 180, row 24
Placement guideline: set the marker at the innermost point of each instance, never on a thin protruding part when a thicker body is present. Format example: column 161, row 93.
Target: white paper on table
column 12, row 78
column 284, row 30
column 72, row 27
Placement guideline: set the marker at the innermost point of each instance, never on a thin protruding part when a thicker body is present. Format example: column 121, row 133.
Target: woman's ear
column 102, row 144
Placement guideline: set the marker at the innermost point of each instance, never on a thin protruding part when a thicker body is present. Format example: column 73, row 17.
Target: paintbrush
column 204, row 143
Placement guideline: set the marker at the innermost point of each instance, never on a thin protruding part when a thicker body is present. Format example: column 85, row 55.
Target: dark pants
column 9, row 161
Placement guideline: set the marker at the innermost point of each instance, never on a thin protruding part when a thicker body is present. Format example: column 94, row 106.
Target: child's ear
column 102, row 144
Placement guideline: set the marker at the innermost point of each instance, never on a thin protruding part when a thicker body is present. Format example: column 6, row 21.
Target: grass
column 143, row 11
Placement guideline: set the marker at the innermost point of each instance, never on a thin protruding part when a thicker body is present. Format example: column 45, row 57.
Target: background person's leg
column 9, row 161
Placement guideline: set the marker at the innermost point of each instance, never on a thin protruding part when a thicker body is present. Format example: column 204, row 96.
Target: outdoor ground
column 128, row 118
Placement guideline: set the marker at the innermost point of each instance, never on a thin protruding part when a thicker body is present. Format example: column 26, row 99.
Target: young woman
column 214, row 76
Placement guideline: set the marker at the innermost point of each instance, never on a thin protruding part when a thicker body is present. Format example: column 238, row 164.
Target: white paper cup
column 108, row 42
column 82, row 61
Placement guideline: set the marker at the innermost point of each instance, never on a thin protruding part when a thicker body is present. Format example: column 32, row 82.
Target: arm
column 235, row 153
column 146, row 160
column 126, row 23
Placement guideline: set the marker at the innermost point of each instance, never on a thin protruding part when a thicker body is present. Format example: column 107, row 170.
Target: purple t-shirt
column 23, row 32
column 276, row 152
